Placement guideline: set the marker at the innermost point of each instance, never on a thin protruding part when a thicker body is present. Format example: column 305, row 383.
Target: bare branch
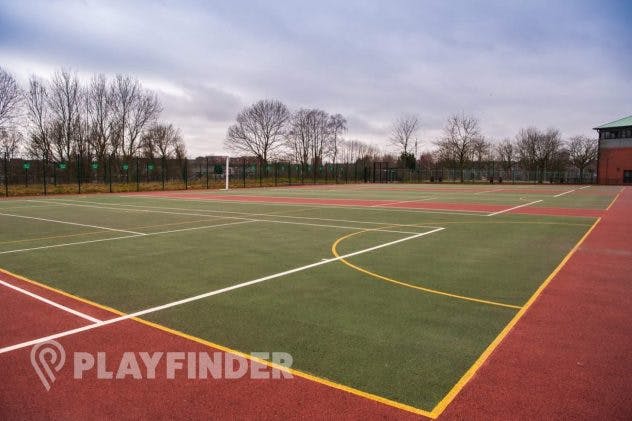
column 259, row 130
column 10, row 99
column 403, row 133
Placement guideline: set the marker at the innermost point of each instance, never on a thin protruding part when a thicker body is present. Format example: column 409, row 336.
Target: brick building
column 615, row 152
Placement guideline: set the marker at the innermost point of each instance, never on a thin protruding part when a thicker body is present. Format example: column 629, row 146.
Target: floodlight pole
column 226, row 171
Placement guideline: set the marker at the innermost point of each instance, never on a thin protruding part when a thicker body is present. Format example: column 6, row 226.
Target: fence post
column 6, row 174
column 186, row 174
column 289, row 173
column 78, row 173
column 207, row 172
column 276, row 173
column 45, row 163
column 110, row 171
column 243, row 170
column 162, row 172
column 137, row 174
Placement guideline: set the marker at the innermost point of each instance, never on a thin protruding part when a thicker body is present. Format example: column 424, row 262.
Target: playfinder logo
column 49, row 358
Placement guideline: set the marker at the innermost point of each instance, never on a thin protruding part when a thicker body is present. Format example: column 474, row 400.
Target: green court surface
column 420, row 299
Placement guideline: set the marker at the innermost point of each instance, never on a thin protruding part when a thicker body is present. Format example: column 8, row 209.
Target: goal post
column 227, row 171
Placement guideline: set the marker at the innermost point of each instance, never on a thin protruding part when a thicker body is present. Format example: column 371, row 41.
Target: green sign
column 26, row 165
column 94, row 165
column 150, row 167
column 126, row 167
column 62, row 165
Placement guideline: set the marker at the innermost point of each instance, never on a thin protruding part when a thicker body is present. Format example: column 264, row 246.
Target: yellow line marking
column 436, row 411
column 442, row 405
column 292, row 371
column 62, row 292
column 404, row 284
column 615, row 198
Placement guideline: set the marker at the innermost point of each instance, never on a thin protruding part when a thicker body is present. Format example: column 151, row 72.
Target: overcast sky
column 512, row 64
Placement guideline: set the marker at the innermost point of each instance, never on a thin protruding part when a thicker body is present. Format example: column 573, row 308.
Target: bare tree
column 353, row 151
column 318, row 132
column 85, row 129
column 180, row 150
column 403, row 133
column 161, row 140
column 582, row 152
column 144, row 111
column 135, row 109
column 124, row 92
column 298, row 138
column 10, row 142
column 460, row 134
column 506, row 151
column 481, row 152
column 64, row 99
column 39, row 119
column 10, row 99
column 103, row 119
column 259, row 130
column 337, row 126
column 537, row 148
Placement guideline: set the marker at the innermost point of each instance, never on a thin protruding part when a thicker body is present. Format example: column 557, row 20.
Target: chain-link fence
column 115, row 174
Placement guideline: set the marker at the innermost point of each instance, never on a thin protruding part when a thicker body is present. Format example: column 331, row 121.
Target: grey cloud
column 564, row 64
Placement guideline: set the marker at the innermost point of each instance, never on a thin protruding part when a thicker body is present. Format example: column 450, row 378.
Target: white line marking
column 515, row 207
column 123, row 237
column 336, row 226
column 208, row 294
column 566, row 192
column 570, row 191
column 488, row 191
column 402, row 201
column 245, row 202
column 155, row 209
column 52, row 303
column 71, row 223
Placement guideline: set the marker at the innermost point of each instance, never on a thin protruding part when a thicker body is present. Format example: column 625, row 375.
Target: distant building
column 615, row 152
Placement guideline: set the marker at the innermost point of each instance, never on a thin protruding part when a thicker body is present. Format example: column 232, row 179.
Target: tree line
column 532, row 149
column 63, row 117
column 269, row 130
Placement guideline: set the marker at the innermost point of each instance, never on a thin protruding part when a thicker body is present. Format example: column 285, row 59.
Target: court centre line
column 208, row 294
column 323, row 206
column 241, row 221
column 149, row 208
column 71, row 223
column 123, row 237
column 156, row 209
column 50, row 302
column 515, row 207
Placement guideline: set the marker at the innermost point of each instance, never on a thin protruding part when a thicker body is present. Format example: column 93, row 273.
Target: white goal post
column 227, row 171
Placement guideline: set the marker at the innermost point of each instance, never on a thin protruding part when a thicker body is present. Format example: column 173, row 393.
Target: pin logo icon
column 47, row 359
